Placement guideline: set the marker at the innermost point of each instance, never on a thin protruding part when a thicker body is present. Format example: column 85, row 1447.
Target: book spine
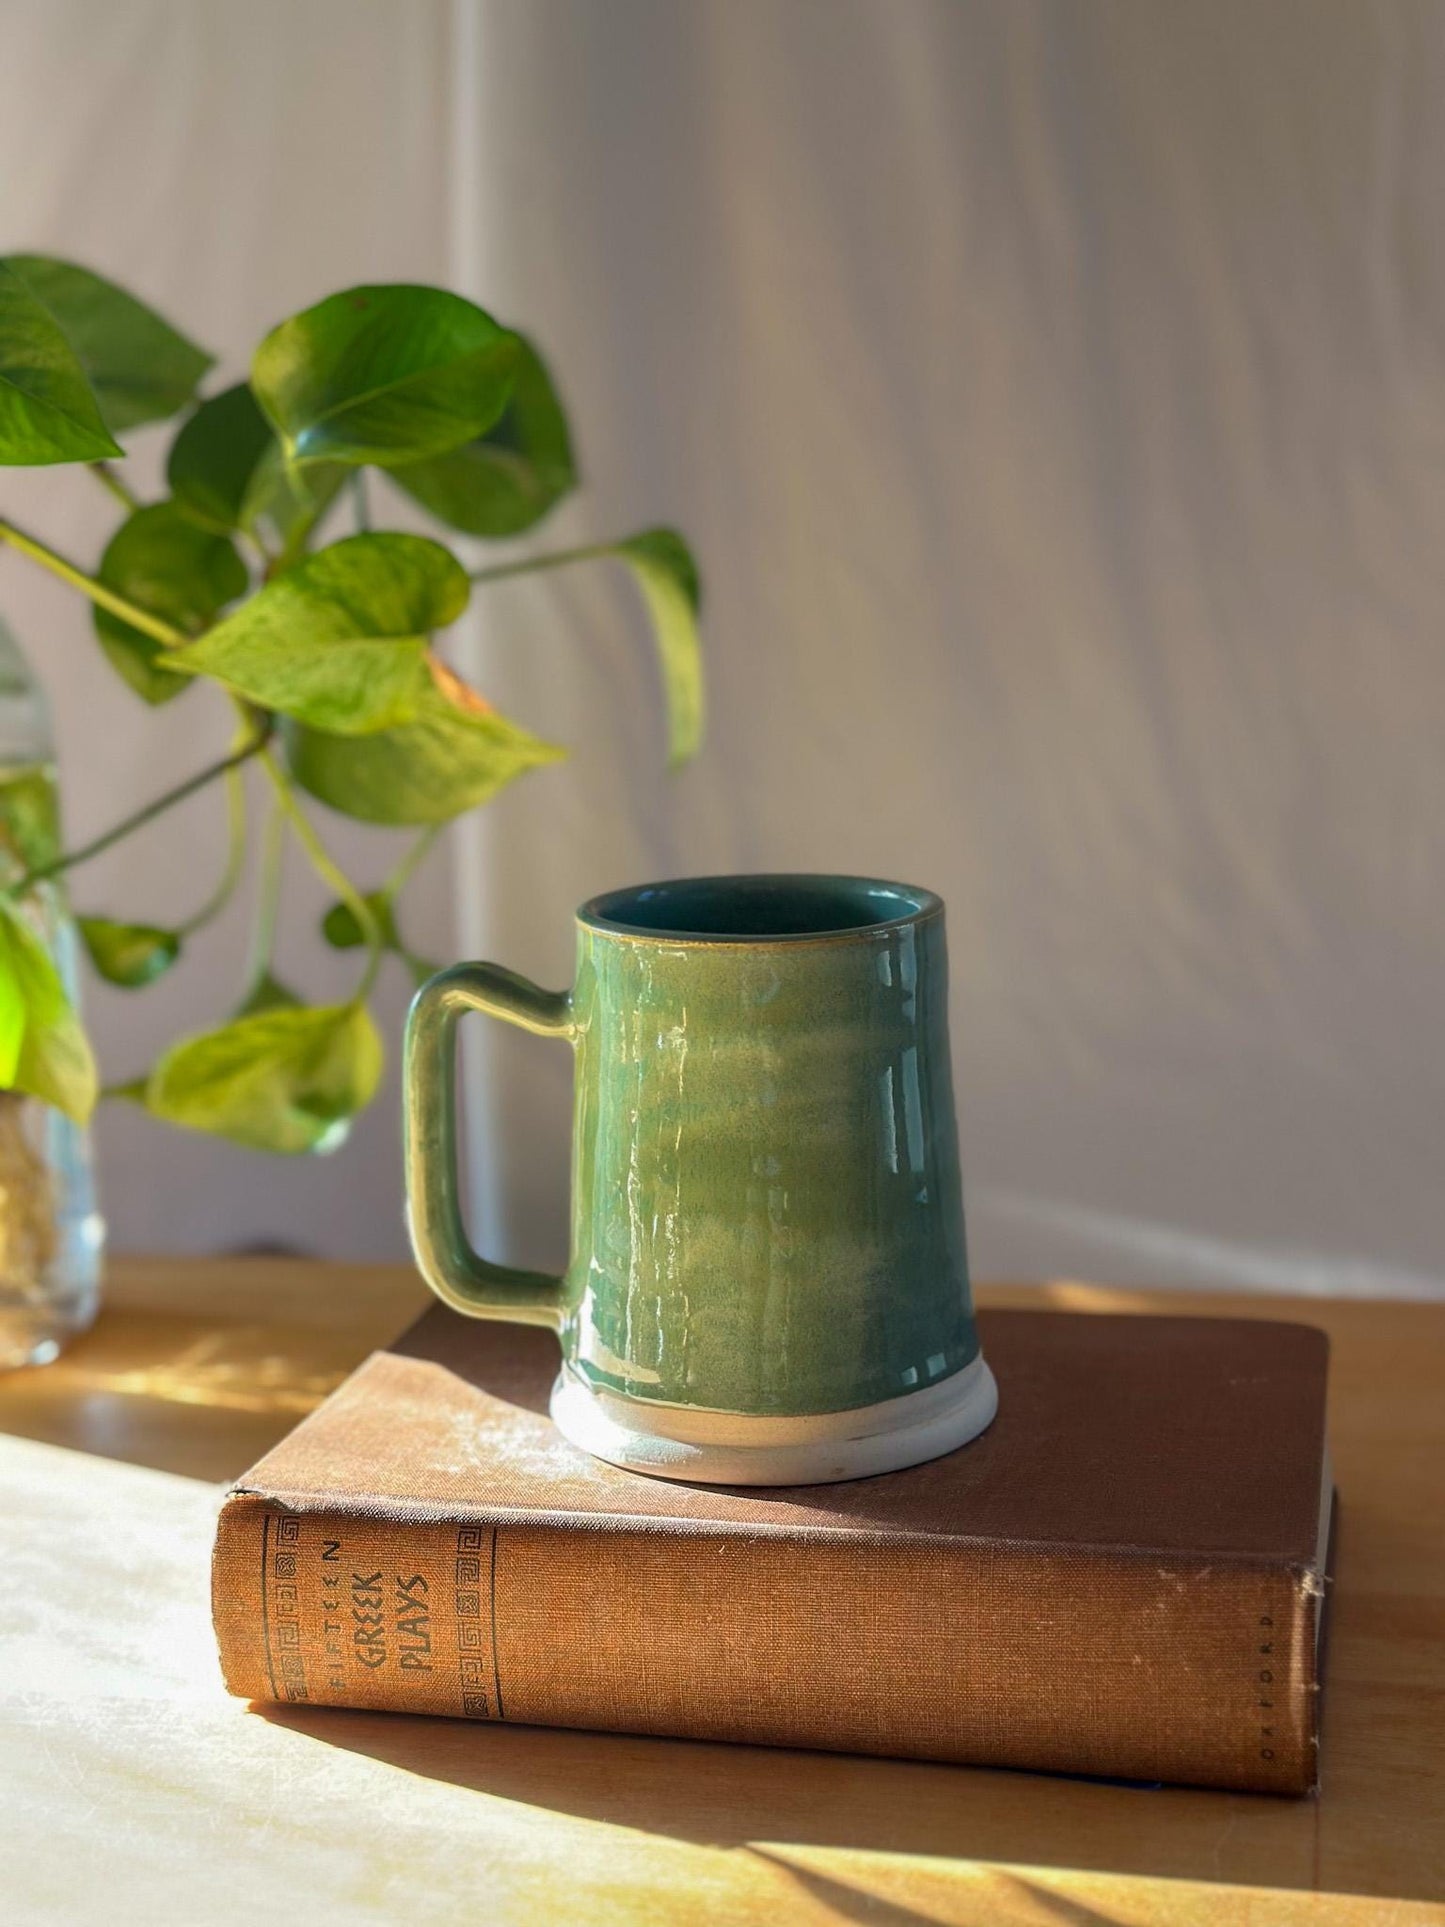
column 1119, row 1665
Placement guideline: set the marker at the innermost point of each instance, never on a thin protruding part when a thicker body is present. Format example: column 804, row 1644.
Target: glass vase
column 51, row 1235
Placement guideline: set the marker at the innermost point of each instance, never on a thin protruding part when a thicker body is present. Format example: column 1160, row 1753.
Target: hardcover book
column 1125, row 1576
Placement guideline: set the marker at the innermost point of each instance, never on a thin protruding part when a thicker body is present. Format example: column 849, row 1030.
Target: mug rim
column 601, row 913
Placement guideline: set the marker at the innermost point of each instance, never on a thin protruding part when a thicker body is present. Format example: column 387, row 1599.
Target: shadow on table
column 760, row 1797
column 845, row 1902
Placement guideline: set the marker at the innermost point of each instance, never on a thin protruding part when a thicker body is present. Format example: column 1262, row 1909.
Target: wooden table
column 133, row 1790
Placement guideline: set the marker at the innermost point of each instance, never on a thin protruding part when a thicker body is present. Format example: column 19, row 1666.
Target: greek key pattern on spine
column 474, row 1598
column 281, row 1607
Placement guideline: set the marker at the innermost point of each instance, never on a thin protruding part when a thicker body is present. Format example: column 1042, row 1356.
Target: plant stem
column 118, row 605
column 68, row 859
column 326, row 867
column 268, row 896
column 558, row 559
column 404, row 870
column 360, row 507
column 110, row 479
column 392, row 889
column 295, row 545
column 134, row 1087
column 296, row 542
column 235, row 856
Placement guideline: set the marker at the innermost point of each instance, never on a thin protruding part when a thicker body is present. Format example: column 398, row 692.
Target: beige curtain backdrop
column 1054, row 395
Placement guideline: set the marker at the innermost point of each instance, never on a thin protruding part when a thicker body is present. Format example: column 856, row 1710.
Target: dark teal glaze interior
column 745, row 909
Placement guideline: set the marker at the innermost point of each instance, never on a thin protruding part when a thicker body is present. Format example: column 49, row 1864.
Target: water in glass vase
column 51, row 1235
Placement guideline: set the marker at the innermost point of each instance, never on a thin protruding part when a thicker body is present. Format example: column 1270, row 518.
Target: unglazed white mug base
column 730, row 1448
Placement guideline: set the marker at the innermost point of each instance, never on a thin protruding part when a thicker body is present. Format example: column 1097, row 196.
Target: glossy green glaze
column 766, row 1208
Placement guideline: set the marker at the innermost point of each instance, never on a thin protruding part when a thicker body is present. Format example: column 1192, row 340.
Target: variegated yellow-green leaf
column 339, row 641
column 130, row 955
column 43, row 1047
column 284, row 1078
column 12, row 1020
column 666, row 574
column 455, row 753
column 29, row 811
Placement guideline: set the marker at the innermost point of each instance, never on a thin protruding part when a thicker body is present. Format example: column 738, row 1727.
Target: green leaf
column 506, row 480
column 47, row 411
column 50, row 1058
column 140, row 369
column 167, row 564
column 129, row 954
column 667, row 576
column 384, row 374
column 29, row 817
column 282, row 1079
column 342, row 930
column 226, row 470
column 214, row 457
column 340, row 640
column 456, row 753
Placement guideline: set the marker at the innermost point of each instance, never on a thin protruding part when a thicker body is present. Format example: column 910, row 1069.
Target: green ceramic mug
column 768, row 1282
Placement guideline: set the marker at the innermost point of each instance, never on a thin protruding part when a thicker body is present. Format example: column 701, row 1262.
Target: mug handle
column 459, row 1276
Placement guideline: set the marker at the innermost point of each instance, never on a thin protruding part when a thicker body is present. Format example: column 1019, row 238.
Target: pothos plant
column 323, row 646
